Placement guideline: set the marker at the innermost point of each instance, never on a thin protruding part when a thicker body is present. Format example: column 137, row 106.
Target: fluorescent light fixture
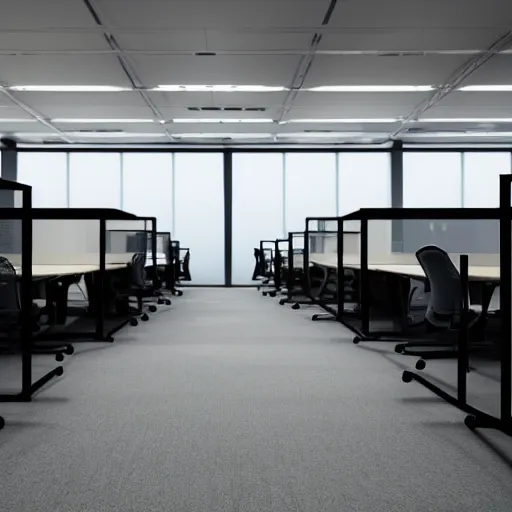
column 222, row 121
column 457, row 135
column 219, row 88
column 486, row 88
column 68, row 88
column 322, row 135
column 102, row 121
column 91, row 135
column 221, row 135
column 113, row 135
column 467, row 120
column 371, row 88
column 348, row 121
column 18, row 121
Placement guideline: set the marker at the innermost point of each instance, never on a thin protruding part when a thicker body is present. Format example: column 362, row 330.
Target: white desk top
column 476, row 273
column 67, row 270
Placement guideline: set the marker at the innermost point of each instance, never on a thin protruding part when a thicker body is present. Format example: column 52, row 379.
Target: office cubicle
column 394, row 295
column 68, row 243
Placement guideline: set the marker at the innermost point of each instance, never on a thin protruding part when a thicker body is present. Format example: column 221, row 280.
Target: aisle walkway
column 230, row 403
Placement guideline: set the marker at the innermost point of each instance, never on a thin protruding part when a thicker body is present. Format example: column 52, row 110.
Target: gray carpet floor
column 229, row 402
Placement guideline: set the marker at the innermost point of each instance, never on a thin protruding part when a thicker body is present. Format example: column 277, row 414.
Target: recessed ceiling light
column 348, row 121
column 218, row 88
column 459, row 134
column 466, row 120
column 221, row 135
column 371, row 88
column 18, row 120
column 222, row 121
column 102, row 121
column 486, row 88
column 101, row 135
column 68, row 88
column 322, row 135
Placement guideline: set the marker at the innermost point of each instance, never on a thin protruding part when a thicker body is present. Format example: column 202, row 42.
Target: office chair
column 186, row 267
column 443, row 309
column 139, row 288
column 257, row 265
column 10, row 317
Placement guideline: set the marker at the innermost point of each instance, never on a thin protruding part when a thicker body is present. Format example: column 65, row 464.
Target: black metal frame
column 97, row 214
column 393, row 214
column 325, row 305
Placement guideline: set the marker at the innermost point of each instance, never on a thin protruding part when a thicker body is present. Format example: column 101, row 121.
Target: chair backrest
column 9, row 294
column 445, row 286
column 137, row 268
column 186, row 267
column 257, row 264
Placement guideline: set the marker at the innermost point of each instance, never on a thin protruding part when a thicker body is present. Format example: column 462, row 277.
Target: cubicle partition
column 320, row 262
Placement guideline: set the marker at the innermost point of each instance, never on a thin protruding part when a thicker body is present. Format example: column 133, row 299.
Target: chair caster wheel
column 144, row 317
column 296, row 306
column 471, row 422
column 264, row 294
column 152, row 309
column 407, row 377
column 59, row 358
column 357, row 340
column 2, row 423
column 399, row 349
column 314, row 318
column 69, row 350
column 273, row 294
column 59, row 371
column 282, row 302
column 168, row 302
column 134, row 322
column 160, row 301
column 179, row 293
column 421, row 364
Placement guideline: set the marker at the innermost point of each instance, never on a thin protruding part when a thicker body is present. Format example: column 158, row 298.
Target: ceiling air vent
column 226, row 109
column 97, row 131
column 400, row 54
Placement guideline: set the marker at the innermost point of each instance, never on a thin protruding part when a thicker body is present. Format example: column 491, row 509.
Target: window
column 257, row 207
column 95, row 180
column 199, row 213
column 47, row 174
column 310, row 181
column 481, row 178
column 364, row 181
column 147, row 186
column 432, row 180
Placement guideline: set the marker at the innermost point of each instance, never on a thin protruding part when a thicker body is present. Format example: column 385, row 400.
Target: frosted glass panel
column 147, row 186
column 432, row 180
column 199, row 213
column 95, row 180
column 46, row 173
column 310, row 180
column 257, row 208
column 364, row 181
column 482, row 178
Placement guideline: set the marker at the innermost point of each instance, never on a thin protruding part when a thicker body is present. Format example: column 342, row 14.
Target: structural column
column 9, row 170
column 228, row 216
column 397, row 194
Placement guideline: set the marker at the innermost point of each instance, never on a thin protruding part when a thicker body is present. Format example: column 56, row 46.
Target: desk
column 67, row 270
column 475, row 273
